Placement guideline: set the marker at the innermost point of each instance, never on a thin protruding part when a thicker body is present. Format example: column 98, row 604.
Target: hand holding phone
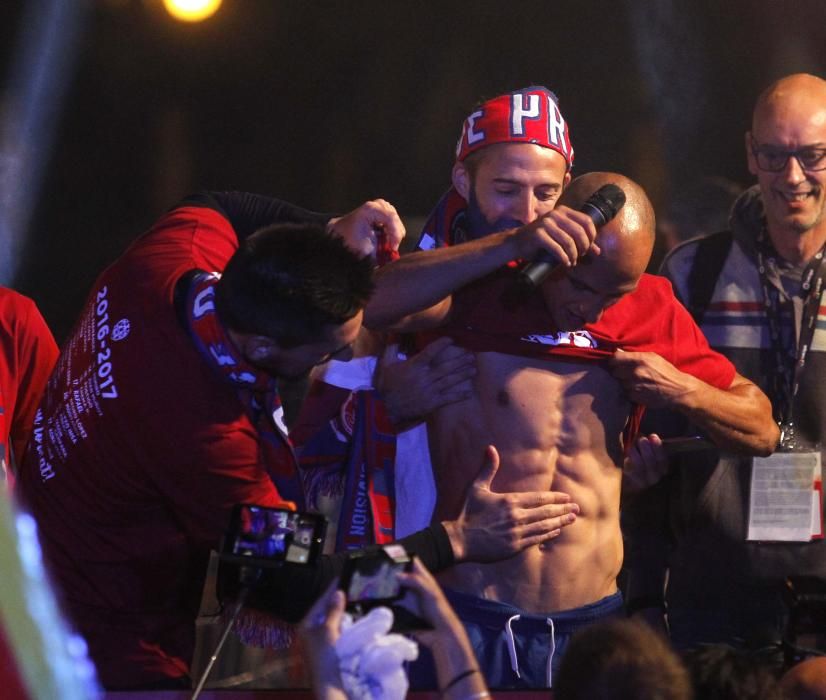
column 679, row 445
column 372, row 580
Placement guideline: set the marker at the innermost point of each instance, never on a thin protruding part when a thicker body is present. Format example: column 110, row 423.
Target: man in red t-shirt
column 28, row 356
column 559, row 372
column 162, row 412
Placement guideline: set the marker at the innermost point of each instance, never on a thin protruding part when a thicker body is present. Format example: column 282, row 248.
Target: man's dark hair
column 289, row 281
column 621, row 660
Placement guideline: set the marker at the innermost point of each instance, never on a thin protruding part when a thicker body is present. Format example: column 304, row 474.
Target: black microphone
column 602, row 206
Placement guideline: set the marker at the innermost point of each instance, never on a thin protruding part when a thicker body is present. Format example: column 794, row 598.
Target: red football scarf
column 256, row 389
column 446, row 224
column 368, row 504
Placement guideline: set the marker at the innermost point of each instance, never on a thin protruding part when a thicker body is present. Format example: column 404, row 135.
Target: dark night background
column 329, row 103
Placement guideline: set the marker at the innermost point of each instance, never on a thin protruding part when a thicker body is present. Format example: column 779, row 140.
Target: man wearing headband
column 562, row 373
column 515, row 186
column 496, row 187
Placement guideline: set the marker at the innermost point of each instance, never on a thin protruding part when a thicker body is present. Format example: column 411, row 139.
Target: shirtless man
column 556, row 406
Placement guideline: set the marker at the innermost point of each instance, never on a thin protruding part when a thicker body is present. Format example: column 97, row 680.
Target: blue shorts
column 516, row 649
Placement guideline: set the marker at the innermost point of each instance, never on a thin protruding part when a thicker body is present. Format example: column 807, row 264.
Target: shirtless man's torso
column 557, row 425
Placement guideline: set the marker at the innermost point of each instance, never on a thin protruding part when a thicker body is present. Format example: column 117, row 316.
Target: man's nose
column 527, row 209
column 592, row 311
column 793, row 173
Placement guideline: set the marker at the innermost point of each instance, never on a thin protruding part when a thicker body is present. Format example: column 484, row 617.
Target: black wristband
column 432, row 546
column 460, row 677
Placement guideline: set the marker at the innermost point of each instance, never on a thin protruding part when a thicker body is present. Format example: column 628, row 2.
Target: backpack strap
column 708, row 262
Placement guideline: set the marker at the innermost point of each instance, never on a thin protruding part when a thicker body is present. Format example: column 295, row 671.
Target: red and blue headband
column 530, row 115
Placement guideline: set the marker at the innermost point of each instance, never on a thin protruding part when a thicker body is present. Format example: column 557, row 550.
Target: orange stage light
column 192, row 10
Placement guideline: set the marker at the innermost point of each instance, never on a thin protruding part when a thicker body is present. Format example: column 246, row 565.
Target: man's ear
column 461, row 180
column 260, row 349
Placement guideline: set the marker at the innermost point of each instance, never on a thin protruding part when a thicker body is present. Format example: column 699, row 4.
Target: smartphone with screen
column 371, row 580
column 269, row 537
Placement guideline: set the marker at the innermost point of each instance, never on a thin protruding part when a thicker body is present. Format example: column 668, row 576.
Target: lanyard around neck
column 789, row 362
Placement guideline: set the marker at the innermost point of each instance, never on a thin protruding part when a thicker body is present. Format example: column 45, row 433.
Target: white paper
column 783, row 506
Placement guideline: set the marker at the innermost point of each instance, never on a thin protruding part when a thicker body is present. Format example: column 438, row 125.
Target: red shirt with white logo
column 140, row 451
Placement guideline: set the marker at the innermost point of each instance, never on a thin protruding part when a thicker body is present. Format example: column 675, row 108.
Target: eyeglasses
column 774, row 159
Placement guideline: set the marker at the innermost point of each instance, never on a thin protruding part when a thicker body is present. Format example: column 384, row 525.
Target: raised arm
column 367, row 229
column 414, row 292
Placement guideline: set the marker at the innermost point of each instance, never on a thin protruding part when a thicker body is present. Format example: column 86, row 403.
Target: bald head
column 578, row 295
column 806, row 680
column 795, row 96
column 628, row 239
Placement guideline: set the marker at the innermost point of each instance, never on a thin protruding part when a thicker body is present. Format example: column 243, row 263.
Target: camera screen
column 375, row 580
column 270, row 533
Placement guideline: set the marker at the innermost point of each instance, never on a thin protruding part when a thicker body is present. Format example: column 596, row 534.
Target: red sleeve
column 651, row 319
column 30, row 356
column 691, row 353
column 220, row 469
column 205, row 456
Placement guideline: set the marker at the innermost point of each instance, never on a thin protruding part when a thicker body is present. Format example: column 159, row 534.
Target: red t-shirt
column 28, row 356
column 485, row 318
column 139, row 452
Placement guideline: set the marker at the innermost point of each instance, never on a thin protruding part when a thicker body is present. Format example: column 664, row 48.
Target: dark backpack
column 712, row 251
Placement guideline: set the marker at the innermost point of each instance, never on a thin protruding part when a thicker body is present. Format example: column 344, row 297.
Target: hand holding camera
column 375, row 580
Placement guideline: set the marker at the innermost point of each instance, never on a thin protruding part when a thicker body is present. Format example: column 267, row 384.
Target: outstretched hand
column 370, row 227
column 439, row 375
column 494, row 526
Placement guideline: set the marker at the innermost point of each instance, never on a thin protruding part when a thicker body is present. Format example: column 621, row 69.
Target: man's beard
column 477, row 223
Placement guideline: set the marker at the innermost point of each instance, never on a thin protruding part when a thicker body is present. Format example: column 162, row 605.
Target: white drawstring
column 551, row 655
column 512, row 644
column 512, row 647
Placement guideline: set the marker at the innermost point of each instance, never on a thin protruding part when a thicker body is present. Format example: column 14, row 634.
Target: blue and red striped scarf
column 447, row 224
column 354, row 456
column 257, row 390
column 367, row 509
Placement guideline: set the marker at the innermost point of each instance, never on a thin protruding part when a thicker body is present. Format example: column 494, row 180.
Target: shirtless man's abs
column 557, row 425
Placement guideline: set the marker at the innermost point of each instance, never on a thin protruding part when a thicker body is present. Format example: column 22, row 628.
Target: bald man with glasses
column 757, row 293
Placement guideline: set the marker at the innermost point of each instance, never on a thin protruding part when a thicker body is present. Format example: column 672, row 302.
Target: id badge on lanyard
column 786, row 495
column 785, row 503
